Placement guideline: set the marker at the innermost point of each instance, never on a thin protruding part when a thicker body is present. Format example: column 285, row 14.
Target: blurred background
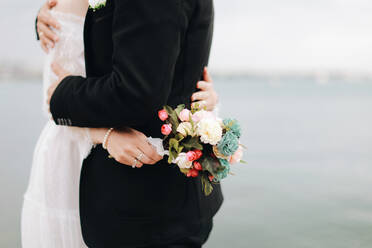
column 298, row 76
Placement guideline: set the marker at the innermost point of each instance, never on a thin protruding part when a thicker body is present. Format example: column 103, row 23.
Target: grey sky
column 293, row 35
column 265, row 36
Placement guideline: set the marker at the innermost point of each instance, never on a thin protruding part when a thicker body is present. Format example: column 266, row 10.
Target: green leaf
column 243, row 162
column 179, row 137
column 170, row 158
column 173, row 144
column 180, row 148
column 179, row 109
column 192, row 123
column 172, row 155
column 184, row 170
column 174, row 149
column 173, row 118
column 192, row 143
column 206, row 184
column 212, row 165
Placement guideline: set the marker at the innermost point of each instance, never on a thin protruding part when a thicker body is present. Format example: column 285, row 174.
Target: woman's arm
column 97, row 135
column 125, row 145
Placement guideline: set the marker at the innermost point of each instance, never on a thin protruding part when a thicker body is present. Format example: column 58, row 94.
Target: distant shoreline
column 22, row 73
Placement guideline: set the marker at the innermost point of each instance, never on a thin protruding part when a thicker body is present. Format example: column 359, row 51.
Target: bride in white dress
column 50, row 215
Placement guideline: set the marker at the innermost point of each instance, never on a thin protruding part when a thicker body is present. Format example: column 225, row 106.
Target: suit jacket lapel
column 87, row 25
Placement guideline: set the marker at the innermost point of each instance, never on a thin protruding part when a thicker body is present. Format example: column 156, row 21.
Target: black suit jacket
column 140, row 55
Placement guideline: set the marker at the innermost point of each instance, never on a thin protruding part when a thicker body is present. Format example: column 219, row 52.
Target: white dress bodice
column 68, row 51
column 50, row 215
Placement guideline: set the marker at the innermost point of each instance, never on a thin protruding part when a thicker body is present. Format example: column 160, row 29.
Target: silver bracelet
column 105, row 138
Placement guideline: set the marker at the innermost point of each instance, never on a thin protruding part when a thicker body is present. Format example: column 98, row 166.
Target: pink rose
column 197, row 166
column 194, row 173
column 191, row 155
column 163, row 115
column 198, row 153
column 237, row 156
column 166, row 129
column 184, row 115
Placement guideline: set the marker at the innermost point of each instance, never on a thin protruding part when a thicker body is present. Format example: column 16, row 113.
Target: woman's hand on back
column 207, row 96
column 45, row 22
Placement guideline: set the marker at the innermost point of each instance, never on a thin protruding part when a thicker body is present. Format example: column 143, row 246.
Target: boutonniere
column 97, row 4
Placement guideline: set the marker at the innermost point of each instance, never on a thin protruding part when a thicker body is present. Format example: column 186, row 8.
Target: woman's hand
column 126, row 146
column 207, row 97
column 44, row 23
column 61, row 74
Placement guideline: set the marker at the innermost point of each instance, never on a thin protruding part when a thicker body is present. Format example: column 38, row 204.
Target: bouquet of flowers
column 200, row 143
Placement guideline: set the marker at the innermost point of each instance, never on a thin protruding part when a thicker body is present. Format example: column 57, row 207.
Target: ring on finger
column 41, row 33
column 140, row 156
column 134, row 165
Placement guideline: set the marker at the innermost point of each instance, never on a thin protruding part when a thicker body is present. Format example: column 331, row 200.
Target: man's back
column 119, row 205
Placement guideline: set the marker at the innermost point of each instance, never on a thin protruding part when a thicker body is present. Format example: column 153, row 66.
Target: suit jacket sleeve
column 146, row 44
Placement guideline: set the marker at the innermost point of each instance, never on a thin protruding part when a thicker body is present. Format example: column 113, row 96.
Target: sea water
column 307, row 183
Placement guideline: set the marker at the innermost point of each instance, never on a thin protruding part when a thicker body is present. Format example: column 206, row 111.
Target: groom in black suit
column 140, row 55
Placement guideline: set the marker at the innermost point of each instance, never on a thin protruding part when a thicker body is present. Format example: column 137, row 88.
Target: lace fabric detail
column 68, row 51
column 50, row 214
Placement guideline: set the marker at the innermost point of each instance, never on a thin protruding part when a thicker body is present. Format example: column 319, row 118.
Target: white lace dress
column 50, row 215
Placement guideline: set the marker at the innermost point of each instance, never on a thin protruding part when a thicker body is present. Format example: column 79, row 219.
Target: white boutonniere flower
column 97, row 4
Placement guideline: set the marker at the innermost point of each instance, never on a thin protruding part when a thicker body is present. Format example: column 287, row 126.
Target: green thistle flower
column 233, row 126
column 229, row 144
column 223, row 174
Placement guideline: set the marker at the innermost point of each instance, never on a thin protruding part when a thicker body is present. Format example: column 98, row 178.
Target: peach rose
column 237, row 156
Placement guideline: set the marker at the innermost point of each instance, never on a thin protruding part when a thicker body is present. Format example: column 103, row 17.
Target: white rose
column 185, row 128
column 182, row 161
column 210, row 131
column 97, row 3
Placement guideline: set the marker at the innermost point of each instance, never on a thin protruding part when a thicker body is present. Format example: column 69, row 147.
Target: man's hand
column 61, row 74
column 44, row 25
